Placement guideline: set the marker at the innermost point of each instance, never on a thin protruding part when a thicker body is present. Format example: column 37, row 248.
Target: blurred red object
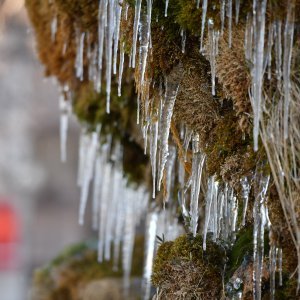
column 9, row 236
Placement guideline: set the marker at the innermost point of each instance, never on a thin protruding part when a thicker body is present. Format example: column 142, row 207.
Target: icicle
column 135, row 30
column 272, row 267
column 97, row 190
column 79, row 57
column 87, row 174
column 222, row 15
column 183, row 40
column 145, row 41
column 260, row 221
column 102, row 20
column 170, row 174
column 128, row 243
column 197, row 166
column 280, row 266
column 150, row 248
column 153, row 151
column 54, row 28
column 209, row 200
column 109, row 45
column 229, row 12
column 166, row 8
column 198, row 4
column 171, row 93
column 118, row 12
column 237, row 11
column 259, row 11
column 204, row 10
column 248, row 38
column 64, row 116
column 269, row 50
column 213, row 37
column 121, row 66
column 278, row 52
column 245, row 193
column 287, row 57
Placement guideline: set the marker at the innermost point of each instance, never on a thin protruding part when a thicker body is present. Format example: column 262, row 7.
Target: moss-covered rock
column 183, row 270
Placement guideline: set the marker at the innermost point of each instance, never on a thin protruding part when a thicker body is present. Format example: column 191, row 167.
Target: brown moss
column 183, row 270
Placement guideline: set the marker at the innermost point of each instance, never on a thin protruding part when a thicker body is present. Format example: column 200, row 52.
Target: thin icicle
column 153, row 151
column 121, row 66
column 213, row 39
column 170, row 174
column 183, row 40
column 204, row 10
column 166, row 8
column 222, row 15
column 272, row 267
column 229, row 14
column 54, row 28
column 64, row 116
column 118, row 12
column 136, row 24
column 237, row 11
column 280, row 266
column 208, row 205
column 97, row 190
column 245, row 193
column 150, row 248
column 79, row 56
column 109, row 46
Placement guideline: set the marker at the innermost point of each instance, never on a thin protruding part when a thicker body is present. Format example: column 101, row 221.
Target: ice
column 121, row 66
column 213, row 46
column 118, row 12
column 65, row 109
column 197, row 167
column 257, row 72
column 183, row 40
column 170, row 174
column 260, row 222
column 79, row 55
column 204, row 10
column 229, row 14
column 167, row 112
column 153, row 151
column 245, row 194
column 136, row 24
column 87, row 172
column 150, row 249
column 108, row 50
column 166, row 8
column 53, row 28
column 222, row 14
column 237, row 11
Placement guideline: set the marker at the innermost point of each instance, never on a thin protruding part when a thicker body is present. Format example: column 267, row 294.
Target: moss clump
column 182, row 269
column 67, row 275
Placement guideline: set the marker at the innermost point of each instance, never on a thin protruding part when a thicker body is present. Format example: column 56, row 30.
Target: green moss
column 181, row 266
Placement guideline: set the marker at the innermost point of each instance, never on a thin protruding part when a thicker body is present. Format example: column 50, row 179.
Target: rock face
column 221, row 125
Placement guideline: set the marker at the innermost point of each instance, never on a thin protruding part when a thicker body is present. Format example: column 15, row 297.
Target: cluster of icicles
column 116, row 218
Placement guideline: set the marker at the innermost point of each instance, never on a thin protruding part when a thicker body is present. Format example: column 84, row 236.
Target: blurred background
column 38, row 193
